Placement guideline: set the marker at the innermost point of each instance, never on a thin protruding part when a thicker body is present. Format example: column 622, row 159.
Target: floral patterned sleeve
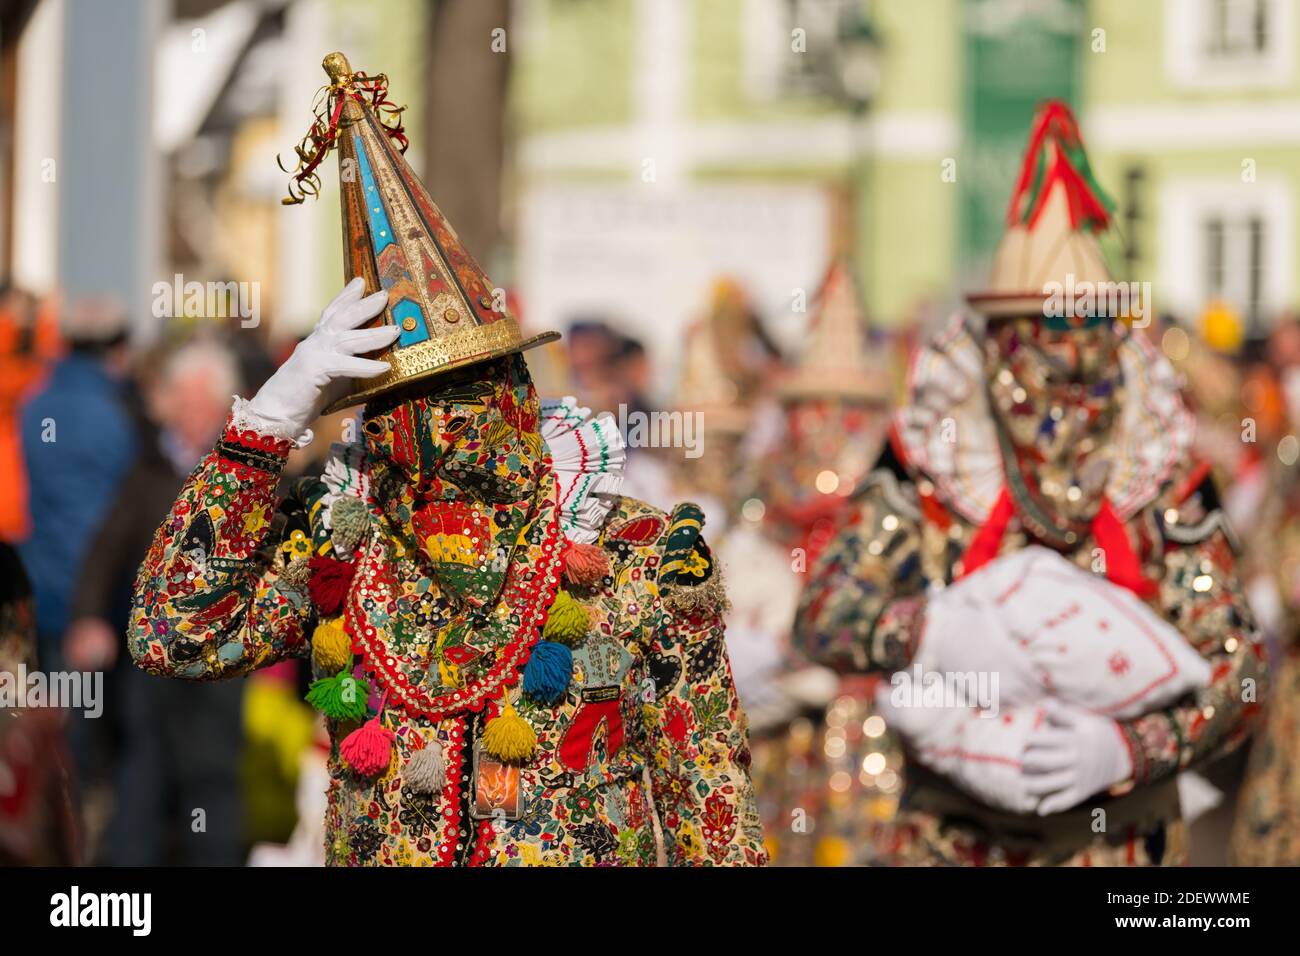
column 1203, row 597
column 700, row 775
column 864, row 604
column 211, row 599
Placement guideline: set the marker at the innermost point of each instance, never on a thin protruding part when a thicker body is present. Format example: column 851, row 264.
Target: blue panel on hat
column 406, row 309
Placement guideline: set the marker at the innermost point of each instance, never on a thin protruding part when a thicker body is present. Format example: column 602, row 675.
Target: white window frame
column 1191, row 66
column 1186, row 204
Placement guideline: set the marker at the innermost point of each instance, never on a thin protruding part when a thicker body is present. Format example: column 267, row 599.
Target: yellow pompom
column 567, row 621
column 509, row 737
column 331, row 648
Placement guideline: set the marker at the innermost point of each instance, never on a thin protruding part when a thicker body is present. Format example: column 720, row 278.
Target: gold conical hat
column 394, row 236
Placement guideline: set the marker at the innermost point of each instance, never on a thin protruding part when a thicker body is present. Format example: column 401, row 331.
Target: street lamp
column 856, row 59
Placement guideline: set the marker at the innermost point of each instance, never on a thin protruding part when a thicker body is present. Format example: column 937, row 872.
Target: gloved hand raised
column 1071, row 755
column 318, row 370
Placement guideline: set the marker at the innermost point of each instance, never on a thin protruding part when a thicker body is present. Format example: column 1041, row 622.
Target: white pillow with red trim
column 1090, row 642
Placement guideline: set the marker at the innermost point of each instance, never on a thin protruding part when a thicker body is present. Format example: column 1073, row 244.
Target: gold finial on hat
column 338, row 69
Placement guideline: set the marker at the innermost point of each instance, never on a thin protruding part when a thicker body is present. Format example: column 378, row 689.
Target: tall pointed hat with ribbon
column 448, row 310
column 1057, row 213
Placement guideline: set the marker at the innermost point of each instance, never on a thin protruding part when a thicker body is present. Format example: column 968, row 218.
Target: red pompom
column 585, row 564
column 368, row 749
column 328, row 581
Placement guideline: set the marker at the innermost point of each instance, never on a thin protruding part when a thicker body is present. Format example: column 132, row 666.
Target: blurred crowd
column 97, row 436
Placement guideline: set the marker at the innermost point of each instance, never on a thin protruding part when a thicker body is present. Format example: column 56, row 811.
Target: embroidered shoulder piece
column 689, row 578
column 588, row 455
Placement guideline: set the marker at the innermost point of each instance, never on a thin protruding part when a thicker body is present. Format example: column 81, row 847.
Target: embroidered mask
column 1055, row 395
column 456, row 471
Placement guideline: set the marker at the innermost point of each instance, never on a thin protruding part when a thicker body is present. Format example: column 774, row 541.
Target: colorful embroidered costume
column 518, row 665
column 1070, row 434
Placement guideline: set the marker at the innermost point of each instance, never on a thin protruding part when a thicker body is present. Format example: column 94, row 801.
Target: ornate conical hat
column 449, row 312
column 836, row 359
column 1056, row 214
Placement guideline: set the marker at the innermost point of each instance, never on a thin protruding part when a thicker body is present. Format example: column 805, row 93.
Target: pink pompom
column 585, row 564
column 368, row 749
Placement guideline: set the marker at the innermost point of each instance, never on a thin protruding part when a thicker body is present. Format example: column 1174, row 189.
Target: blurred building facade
column 1190, row 108
column 651, row 145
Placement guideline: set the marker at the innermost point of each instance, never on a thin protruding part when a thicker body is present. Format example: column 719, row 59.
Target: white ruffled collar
column 587, row 459
column 587, row 455
column 947, row 430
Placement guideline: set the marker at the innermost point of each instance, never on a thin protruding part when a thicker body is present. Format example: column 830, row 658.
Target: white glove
column 979, row 752
column 962, row 636
column 1071, row 755
column 317, row 371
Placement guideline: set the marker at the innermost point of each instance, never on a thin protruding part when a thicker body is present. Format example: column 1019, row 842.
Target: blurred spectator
column 37, row 825
column 29, row 340
column 591, row 345
column 78, row 439
column 179, row 744
column 631, row 369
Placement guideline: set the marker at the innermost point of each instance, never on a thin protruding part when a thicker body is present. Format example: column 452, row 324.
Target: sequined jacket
column 649, row 738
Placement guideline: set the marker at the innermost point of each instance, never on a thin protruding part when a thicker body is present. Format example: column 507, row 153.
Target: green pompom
column 567, row 621
column 341, row 697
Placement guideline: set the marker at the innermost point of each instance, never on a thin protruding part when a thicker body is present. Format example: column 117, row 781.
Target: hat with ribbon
column 1057, row 213
column 448, row 310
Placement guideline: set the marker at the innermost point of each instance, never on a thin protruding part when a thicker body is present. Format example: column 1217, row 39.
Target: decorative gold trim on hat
column 416, row 363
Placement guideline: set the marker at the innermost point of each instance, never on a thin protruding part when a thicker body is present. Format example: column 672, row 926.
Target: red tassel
column 585, row 564
column 984, row 546
column 368, row 749
column 1122, row 565
column 329, row 581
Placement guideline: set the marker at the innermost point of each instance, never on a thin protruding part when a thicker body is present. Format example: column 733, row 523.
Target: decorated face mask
column 456, row 472
column 1055, row 394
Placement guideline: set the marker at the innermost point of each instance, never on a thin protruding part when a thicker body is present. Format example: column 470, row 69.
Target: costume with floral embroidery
column 518, row 665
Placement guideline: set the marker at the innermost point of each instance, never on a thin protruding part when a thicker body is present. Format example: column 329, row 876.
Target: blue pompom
column 546, row 676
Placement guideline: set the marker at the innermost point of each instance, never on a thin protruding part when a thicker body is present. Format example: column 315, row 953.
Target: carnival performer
column 518, row 665
column 1035, row 518
column 828, row 775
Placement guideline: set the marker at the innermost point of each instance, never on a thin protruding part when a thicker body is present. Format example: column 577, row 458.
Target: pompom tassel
column 426, row 771
column 349, row 523
column 341, row 697
column 585, row 564
column 546, row 676
column 369, row 749
column 567, row 620
column 509, row 737
column 331, row 648
column 330, row 581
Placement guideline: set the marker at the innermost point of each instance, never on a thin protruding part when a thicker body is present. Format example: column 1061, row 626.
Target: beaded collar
column 494, row 647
